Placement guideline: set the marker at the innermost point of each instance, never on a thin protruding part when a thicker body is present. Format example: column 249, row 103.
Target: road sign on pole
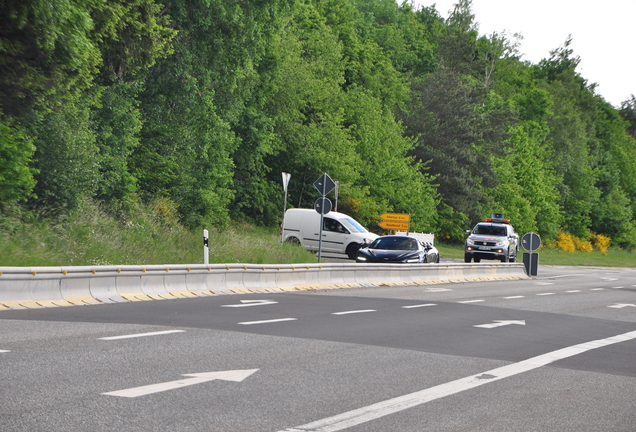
column 395, row 225
column 286, row 177
column 396, row 217
column 324, row 184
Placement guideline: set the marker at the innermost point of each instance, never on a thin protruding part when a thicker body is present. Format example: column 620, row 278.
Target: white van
column 340, row 233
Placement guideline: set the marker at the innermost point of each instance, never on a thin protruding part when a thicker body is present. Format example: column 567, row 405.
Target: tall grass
column 93, row 237
column 614, row 257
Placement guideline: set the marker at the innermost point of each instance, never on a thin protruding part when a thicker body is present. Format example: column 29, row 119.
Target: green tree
column 16, row 152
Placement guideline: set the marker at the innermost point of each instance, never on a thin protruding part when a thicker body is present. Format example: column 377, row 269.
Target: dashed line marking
column 573, row 291
column 619, row 287
column 142, row 335
column 354, row 312
column 545, row 294
column 5, row 351
column 597, row 289
column 471, row 301
column 418, row 306
column 268, row 321
column 513, row 297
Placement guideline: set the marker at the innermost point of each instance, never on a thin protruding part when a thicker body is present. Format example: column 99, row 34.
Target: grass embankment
column 150, row 236
column 94, row 238
column 614, row 257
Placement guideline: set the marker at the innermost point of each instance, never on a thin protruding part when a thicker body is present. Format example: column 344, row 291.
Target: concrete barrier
column 33, row 287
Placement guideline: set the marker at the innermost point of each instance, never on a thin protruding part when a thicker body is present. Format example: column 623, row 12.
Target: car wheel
column 477, row 260
column 292, row 240
column 513, row 259
column 352, row 250
column 437, row 260
column 467, row 258
column 504, row 258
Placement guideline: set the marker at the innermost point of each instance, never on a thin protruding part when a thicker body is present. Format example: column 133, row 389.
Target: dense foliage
column 197, row 106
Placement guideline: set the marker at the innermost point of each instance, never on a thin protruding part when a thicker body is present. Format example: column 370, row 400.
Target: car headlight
column 412, row 260
column 501, row 243
column 470, row 242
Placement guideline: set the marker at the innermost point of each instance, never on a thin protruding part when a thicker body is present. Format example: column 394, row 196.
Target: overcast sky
column 602, row 35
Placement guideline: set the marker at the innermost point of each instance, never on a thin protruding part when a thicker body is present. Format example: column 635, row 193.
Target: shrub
column 566, row 242
column 600, row 241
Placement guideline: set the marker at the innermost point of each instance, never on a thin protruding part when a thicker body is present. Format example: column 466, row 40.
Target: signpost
column 395, row 221
column 286, row 177
column 324, row 185
column 531, row 242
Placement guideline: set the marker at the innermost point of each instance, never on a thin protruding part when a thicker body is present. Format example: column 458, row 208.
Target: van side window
column 333, row 225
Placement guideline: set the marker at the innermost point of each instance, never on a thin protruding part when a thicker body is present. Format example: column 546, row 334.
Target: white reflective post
column 206, row 248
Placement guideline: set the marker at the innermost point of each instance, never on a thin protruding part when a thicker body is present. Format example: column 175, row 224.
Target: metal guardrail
column 35, row 287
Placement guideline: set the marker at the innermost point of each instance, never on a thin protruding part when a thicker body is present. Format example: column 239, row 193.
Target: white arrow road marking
column 400, row 403
column 268, row 321
column 354, row 312
column 418, row 306
column 500, row 323
column 622, row 305
column 247, row 303
column 198, row 378
column 142, row 335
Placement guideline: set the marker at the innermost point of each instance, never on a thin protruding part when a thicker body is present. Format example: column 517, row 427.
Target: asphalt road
column 478, row 356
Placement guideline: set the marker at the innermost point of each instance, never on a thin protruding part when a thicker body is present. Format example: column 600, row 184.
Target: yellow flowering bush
column 566, row 242
column 600, row 241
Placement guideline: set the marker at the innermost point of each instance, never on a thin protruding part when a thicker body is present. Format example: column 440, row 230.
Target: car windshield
column 394, row 243
column 353, row 226
column 490, row 230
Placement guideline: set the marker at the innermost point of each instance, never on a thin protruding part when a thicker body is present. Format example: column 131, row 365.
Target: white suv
column 494, row 239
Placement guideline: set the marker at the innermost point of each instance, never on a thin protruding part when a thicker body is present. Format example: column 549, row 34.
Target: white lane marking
column 142, row 335
column 513, row 297
column 268, row 321
column 609, row 279
column 5, row 351
column 198, row 378
column 544, row 294
column 247, row 303
column 500, row 323
column 354, row 312
column 618, row 287
column 471, row 301
column 573, row 291
column 544, row 283
column 622, row 305
column 400, row 403
column 437, row 289
column 597, row 289
column 418, row 306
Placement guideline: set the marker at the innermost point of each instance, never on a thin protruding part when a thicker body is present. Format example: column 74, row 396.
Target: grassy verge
column 94, row 238
column 551, row 256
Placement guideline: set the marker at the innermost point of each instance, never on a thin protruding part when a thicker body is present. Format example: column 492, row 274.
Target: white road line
column 597, row 289
column 418, row 306
column 573, row 291
column 544, row 294
column 544, row 283
column 513, row 297
column 5, row 351
column 618, row 287
column 268, row 321
column 142, row 335
column 471, row 301
column 354, row 312
column 390, row 406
